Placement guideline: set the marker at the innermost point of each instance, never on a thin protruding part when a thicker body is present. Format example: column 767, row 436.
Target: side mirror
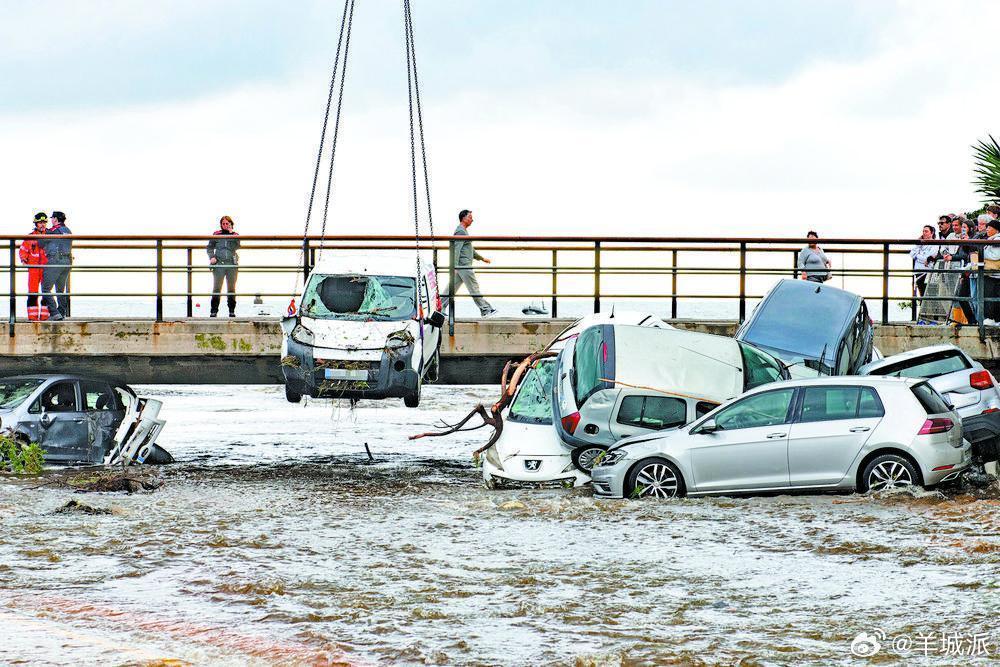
column 45, row 419
column 436, row 319
column 708, row 426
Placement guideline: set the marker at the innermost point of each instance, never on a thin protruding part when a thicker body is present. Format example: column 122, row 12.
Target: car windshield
column 357, row 297
column 760, row 368
column 800, row 326
column 928, row 366
column 533, row 402
column 15, row 392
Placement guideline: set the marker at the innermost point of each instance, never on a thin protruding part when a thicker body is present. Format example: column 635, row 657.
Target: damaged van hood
column 366, row 338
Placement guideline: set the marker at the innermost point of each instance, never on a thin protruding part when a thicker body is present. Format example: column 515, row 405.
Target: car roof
column 912, row 354
column 373, row 263
column 840, row 380
column 63, row 376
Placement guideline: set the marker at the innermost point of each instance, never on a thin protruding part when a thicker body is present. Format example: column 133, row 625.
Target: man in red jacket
column 33, row 256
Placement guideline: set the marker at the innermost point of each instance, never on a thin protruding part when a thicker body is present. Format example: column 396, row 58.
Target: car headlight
column 494, row 458
column 612, row 457
column 302, row 335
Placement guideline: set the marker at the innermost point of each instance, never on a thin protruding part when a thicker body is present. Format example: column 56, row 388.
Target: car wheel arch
column 882, row 451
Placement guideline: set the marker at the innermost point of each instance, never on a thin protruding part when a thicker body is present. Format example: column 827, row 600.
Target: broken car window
column 356, row 297
column 15, row 392
column 533, row 402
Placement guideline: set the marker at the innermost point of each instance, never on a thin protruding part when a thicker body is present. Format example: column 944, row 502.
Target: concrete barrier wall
column 242, row 351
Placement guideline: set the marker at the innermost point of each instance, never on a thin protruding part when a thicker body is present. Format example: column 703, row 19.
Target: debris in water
column 114, row 482
column 83, row 508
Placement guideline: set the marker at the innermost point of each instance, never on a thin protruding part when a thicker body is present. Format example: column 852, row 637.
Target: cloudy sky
column 665, row 117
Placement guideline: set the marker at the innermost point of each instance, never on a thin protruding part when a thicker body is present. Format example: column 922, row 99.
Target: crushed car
column 813, row 328
column 614, row 381
column 368, row 326
column 81, row 420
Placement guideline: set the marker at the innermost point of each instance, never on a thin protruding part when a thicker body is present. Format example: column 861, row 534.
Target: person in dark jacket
column 55, row 275
column 224, row 257
column 33, row 256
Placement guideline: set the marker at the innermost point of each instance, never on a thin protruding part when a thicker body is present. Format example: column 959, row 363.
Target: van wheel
column 413, row 400
column 585, row 456
column 654, row 478
column 292, row 396
column 888, row 471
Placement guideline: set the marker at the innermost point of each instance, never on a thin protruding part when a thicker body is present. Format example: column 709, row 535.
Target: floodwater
column 276, row 541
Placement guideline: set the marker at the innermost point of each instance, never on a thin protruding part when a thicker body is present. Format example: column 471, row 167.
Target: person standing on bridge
column 55, row 275
column 922, row 256
column 224, row 257
column 813, row 263
column 464, row 254
column 33, row 256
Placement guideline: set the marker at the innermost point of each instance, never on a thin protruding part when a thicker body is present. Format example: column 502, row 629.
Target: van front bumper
column 309, row 374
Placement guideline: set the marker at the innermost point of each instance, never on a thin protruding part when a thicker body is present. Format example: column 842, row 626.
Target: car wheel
column 585, row 456
column 654, row 478
column 292, row 396
column 412, row 400
column 889, row 471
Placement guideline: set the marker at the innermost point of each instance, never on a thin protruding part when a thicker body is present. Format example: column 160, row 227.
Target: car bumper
column 551, row 471
column 609, row 481
column 392, row 376
column 943, row 463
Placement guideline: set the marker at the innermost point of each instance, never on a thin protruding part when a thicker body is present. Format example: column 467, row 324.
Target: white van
column 368, row 326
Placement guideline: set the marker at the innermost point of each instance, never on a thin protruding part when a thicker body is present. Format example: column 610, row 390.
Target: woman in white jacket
column 923, row 259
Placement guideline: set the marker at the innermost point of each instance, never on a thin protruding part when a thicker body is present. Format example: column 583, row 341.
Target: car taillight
column 936, row 425
column 570, row 422
column 981, row 380
column 989, row 410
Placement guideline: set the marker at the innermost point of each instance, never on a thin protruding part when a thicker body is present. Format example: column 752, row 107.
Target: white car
column 821, row 434
column 962, row 380
column 529, row 452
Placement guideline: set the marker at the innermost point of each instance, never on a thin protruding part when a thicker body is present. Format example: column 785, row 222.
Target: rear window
column 759, row 368
column 587, row 364
column 704, row 407
column 928, row 366
column 929, row 398
column 533, row 402
column 653, row 412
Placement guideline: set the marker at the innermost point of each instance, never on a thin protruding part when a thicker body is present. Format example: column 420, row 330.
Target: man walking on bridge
column 464, row 254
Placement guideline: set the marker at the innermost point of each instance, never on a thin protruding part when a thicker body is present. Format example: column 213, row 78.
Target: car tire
column 412, row 400
column 654, row 478
column 585, row 455
column 888, row 471
column 292, row 396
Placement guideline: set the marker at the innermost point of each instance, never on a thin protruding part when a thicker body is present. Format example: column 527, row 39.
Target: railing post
column 555, row 285
column 743, row 281
column 980, row 288
column 673, row 285
column 13, row 289
column 885, row 283
column 597, row 276
column 795, row 264
column 190, row 284
column 451, row 289
column 159, row 281
column 305, row 259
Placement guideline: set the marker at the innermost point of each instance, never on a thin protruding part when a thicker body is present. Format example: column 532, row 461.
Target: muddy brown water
column 276, row 541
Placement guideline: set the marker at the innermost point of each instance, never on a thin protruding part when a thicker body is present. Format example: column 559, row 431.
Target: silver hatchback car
column 829, row 433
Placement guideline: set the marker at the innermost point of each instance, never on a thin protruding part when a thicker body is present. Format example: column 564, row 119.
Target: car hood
column 359, row 336
column 660, row 439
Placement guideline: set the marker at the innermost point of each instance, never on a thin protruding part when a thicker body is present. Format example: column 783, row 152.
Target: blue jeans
column 973, row 292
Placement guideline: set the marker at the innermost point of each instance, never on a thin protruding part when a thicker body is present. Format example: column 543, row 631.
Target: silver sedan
column 819, row 434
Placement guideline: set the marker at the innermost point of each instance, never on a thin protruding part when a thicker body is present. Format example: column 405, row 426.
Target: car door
column 431, row 334
column 101, row 405
column 831, row 426
column 750, row 448
column 636, row 414
column 64, row 428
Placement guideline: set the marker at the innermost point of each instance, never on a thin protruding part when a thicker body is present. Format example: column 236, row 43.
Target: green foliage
column 986, row 156
column 20, row 458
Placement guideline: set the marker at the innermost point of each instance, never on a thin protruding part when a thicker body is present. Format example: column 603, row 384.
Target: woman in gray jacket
column 813, row 263
column 224, row 257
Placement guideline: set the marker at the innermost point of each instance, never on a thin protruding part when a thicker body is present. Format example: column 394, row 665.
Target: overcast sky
column 665, row 117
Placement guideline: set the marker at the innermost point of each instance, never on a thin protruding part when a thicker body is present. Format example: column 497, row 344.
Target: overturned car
column 82, row 420
column 368, row 327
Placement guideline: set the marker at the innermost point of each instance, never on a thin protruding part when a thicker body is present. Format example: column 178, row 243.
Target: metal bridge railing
column 557, row 269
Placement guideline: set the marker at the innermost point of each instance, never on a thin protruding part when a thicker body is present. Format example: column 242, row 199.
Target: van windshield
column 357, row 297
column 15, row 392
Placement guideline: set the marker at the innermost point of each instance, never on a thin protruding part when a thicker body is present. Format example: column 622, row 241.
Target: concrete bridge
column 247, row 351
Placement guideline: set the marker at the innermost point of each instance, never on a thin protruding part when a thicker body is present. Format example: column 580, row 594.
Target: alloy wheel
column 656, row 480
column 588, row 456
column 889, row 475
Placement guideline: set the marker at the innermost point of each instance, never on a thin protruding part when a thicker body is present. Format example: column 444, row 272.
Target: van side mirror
column 436, row 319
column 707, row 426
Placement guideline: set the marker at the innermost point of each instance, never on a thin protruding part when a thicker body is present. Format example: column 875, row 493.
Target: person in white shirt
column 923, row 259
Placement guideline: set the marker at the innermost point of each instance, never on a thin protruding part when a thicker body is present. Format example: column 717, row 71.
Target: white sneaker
column 990, row 323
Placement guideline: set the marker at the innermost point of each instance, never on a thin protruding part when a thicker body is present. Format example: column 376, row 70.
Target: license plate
column 345, row 374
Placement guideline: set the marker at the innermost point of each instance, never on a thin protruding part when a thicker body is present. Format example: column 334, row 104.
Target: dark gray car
column 74, row 419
